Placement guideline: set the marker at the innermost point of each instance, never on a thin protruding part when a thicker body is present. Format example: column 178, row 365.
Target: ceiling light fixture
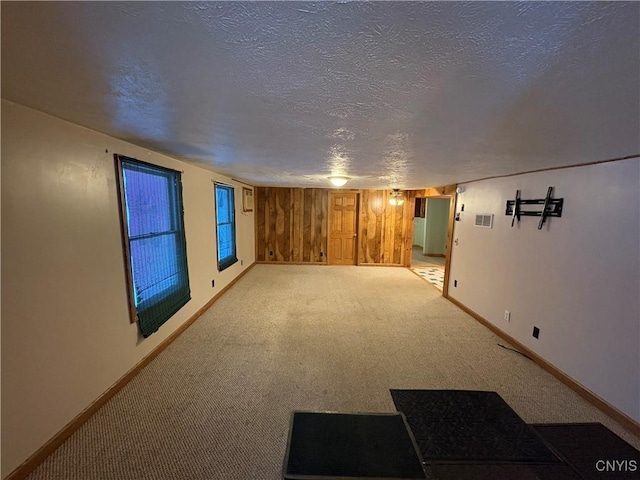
column 338, row 180
column 397, row 197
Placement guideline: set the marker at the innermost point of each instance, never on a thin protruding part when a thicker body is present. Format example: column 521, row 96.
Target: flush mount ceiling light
column 338, row 180
column 396, row 198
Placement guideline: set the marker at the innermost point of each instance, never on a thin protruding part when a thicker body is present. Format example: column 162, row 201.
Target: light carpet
column 216, row 403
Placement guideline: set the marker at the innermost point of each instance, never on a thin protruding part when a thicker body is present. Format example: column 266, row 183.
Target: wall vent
column 484, row 220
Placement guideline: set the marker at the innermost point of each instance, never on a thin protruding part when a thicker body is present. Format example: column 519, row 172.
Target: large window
column 154, row 242
column 226, row 226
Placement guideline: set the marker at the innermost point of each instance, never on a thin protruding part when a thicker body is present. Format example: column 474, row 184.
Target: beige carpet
column 216, row 403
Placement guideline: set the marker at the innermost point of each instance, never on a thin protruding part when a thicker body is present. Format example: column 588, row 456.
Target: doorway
column 431, row 239
column 343, row 228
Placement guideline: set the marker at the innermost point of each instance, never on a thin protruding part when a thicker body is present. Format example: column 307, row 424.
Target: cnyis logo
column 617, row 465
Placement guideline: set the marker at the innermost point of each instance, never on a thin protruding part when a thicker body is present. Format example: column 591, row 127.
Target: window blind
column 156, row 240
column 226, row 228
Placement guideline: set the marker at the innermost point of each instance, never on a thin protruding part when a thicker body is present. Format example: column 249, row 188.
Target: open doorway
column 431, row 238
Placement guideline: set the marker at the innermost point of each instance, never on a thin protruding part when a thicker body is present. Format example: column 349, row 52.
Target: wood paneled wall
column 292, row 226
column 382, row 229
column 433, row 192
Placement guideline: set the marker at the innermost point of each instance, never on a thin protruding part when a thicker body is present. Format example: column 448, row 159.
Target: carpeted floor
column 216, row 403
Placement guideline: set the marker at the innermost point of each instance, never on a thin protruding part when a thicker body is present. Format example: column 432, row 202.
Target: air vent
column 484, row 220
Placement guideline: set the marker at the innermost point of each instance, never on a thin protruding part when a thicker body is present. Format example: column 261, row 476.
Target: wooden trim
column 584, row 392
column 124, row 237
column 453, row 200
column 410, row 206
column 436, row 192
column 31, row 463
column 277, row 262
column 256, row 214
column 330, row 195
column 585, row 164
column 449, row 192
column 381, row 265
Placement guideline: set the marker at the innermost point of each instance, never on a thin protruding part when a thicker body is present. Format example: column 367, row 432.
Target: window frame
column 229, row 260
column 175, row 203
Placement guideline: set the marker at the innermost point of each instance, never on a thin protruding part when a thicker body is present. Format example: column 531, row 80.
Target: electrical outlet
column 455, row 283
column 213, row 283
column 536, row 332
column 507, row 316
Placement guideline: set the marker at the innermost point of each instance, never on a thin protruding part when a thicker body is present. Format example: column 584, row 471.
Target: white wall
column 66, row 335
column 418, row 231
column 577, row 279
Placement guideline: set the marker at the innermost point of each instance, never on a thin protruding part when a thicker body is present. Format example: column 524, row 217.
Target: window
column 226, row 226
column 154, row 242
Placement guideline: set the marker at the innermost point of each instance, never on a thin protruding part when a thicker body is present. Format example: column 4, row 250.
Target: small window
column 154, row 242
column 226, row 226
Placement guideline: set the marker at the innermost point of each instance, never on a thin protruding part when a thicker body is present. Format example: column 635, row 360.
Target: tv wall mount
column 552, row 207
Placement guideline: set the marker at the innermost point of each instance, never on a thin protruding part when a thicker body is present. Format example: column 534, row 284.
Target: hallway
column 428, row 267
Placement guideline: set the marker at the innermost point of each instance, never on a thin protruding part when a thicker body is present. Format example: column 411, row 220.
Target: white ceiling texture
column 392, row 94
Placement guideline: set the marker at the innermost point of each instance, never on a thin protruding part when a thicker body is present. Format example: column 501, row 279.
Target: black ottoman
column 326, row 445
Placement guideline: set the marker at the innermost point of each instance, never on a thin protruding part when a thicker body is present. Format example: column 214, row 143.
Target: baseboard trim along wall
column 262, row 262
column 277, row 262
column 584, row 392
column 29, row 465
column 379, row 265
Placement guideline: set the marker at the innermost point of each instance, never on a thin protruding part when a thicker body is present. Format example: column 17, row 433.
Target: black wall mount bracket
column 552, row 207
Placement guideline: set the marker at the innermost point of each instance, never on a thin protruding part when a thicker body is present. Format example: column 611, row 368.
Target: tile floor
column 429, row 268
column 432, row 275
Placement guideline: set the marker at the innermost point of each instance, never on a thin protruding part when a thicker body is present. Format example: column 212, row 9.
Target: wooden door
column 343, row 228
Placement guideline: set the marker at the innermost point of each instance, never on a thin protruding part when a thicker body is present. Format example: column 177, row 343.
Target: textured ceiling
column 392, row 94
